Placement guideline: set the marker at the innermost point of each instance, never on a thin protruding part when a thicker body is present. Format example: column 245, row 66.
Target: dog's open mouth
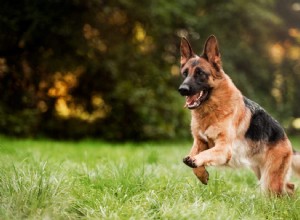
column 194, row 101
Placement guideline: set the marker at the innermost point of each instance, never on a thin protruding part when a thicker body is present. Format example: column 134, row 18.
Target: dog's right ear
column 185, row 51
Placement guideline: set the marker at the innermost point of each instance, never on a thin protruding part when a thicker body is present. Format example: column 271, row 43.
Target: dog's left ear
column 211, row 52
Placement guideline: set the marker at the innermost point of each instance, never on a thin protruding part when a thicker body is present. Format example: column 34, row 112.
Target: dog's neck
column 217, row 104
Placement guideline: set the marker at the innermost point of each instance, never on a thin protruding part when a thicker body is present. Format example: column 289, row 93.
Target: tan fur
column 219, row 126
column 296, row 164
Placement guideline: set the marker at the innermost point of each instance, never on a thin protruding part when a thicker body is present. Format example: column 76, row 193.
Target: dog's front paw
column 189, row 161
column 201, row 174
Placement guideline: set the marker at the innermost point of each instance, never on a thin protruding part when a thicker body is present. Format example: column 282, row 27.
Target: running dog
column 230, row 129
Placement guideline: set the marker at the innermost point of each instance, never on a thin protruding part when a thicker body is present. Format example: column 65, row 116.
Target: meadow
column 89, row 179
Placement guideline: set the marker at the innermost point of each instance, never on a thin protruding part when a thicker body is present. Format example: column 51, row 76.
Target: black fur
column 262, row 126
column 194, row 83
column 195, row 63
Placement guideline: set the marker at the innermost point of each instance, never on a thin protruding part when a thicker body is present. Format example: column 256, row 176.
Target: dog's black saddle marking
column 262, row 126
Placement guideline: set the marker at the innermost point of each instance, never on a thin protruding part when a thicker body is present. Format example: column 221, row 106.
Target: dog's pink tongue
column 190, row 100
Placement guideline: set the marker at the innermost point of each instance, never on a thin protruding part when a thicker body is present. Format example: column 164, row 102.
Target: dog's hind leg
column 296, row 163
column 290, row 188
column 257, row 171
column 276, row 170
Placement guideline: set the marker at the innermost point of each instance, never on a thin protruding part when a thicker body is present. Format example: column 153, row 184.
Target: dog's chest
column 239, row 150
column 239, row 154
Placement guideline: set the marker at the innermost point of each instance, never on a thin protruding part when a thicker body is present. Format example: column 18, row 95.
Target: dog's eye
column 185, row 73
column 198, row 72
column 200, row 75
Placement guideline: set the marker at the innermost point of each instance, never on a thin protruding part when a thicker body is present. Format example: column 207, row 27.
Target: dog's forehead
column 197, row 61
column 193, row 62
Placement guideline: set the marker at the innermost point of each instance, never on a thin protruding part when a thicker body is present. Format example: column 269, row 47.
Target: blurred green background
column 110, row 68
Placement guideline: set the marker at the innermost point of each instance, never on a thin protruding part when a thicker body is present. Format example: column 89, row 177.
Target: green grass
column 42, row 179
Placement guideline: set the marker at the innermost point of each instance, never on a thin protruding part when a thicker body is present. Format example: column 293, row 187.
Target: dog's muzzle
column 193, row 100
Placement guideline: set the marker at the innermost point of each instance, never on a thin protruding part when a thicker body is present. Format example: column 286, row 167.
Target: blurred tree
column 287, row 64
column 110, row 69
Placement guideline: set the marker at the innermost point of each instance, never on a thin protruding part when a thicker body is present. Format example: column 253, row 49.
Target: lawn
column 43, row 179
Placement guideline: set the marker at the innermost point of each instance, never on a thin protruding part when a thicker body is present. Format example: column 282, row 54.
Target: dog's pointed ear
column 211, row 52
column 186, row 51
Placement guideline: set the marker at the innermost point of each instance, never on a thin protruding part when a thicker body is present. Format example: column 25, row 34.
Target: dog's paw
column 202, row 174
column 189, row 162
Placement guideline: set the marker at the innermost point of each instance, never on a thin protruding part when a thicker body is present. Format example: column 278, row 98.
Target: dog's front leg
column 218, row 155
column 200, row 172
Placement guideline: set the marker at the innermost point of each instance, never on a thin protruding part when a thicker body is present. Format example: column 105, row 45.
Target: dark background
column 110, row 69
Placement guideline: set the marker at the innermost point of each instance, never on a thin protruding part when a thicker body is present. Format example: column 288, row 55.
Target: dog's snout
column 184, row 89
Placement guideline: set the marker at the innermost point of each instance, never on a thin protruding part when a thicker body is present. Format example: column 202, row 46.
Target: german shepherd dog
column 230, row 129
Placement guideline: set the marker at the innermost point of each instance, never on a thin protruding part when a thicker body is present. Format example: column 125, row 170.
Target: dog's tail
column 296, row 162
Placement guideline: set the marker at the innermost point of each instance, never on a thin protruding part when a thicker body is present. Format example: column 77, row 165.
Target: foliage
column 44, row 179
column 71, row 69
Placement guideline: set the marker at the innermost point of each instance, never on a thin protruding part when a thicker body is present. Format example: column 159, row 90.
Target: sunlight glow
column 296, row 6
column 145, row 42
column 296, row 123
column 277, row 85
column 3, row 66
column 175, row 70
column 66, row 106
column 277, row 52
column 92, row 35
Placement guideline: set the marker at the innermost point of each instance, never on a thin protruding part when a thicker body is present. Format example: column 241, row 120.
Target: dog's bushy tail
column 296, row 162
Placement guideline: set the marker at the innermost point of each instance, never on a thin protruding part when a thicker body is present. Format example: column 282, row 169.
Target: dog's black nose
column 184, row 90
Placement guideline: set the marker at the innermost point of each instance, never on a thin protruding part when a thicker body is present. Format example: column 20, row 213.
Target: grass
column 42, row 179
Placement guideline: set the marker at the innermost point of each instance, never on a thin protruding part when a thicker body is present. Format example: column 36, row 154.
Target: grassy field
column 42, row 179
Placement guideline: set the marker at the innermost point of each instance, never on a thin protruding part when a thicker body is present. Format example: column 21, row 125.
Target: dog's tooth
column 200, row 94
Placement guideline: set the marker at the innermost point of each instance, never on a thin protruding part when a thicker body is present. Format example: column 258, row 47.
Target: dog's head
column 199, row 72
